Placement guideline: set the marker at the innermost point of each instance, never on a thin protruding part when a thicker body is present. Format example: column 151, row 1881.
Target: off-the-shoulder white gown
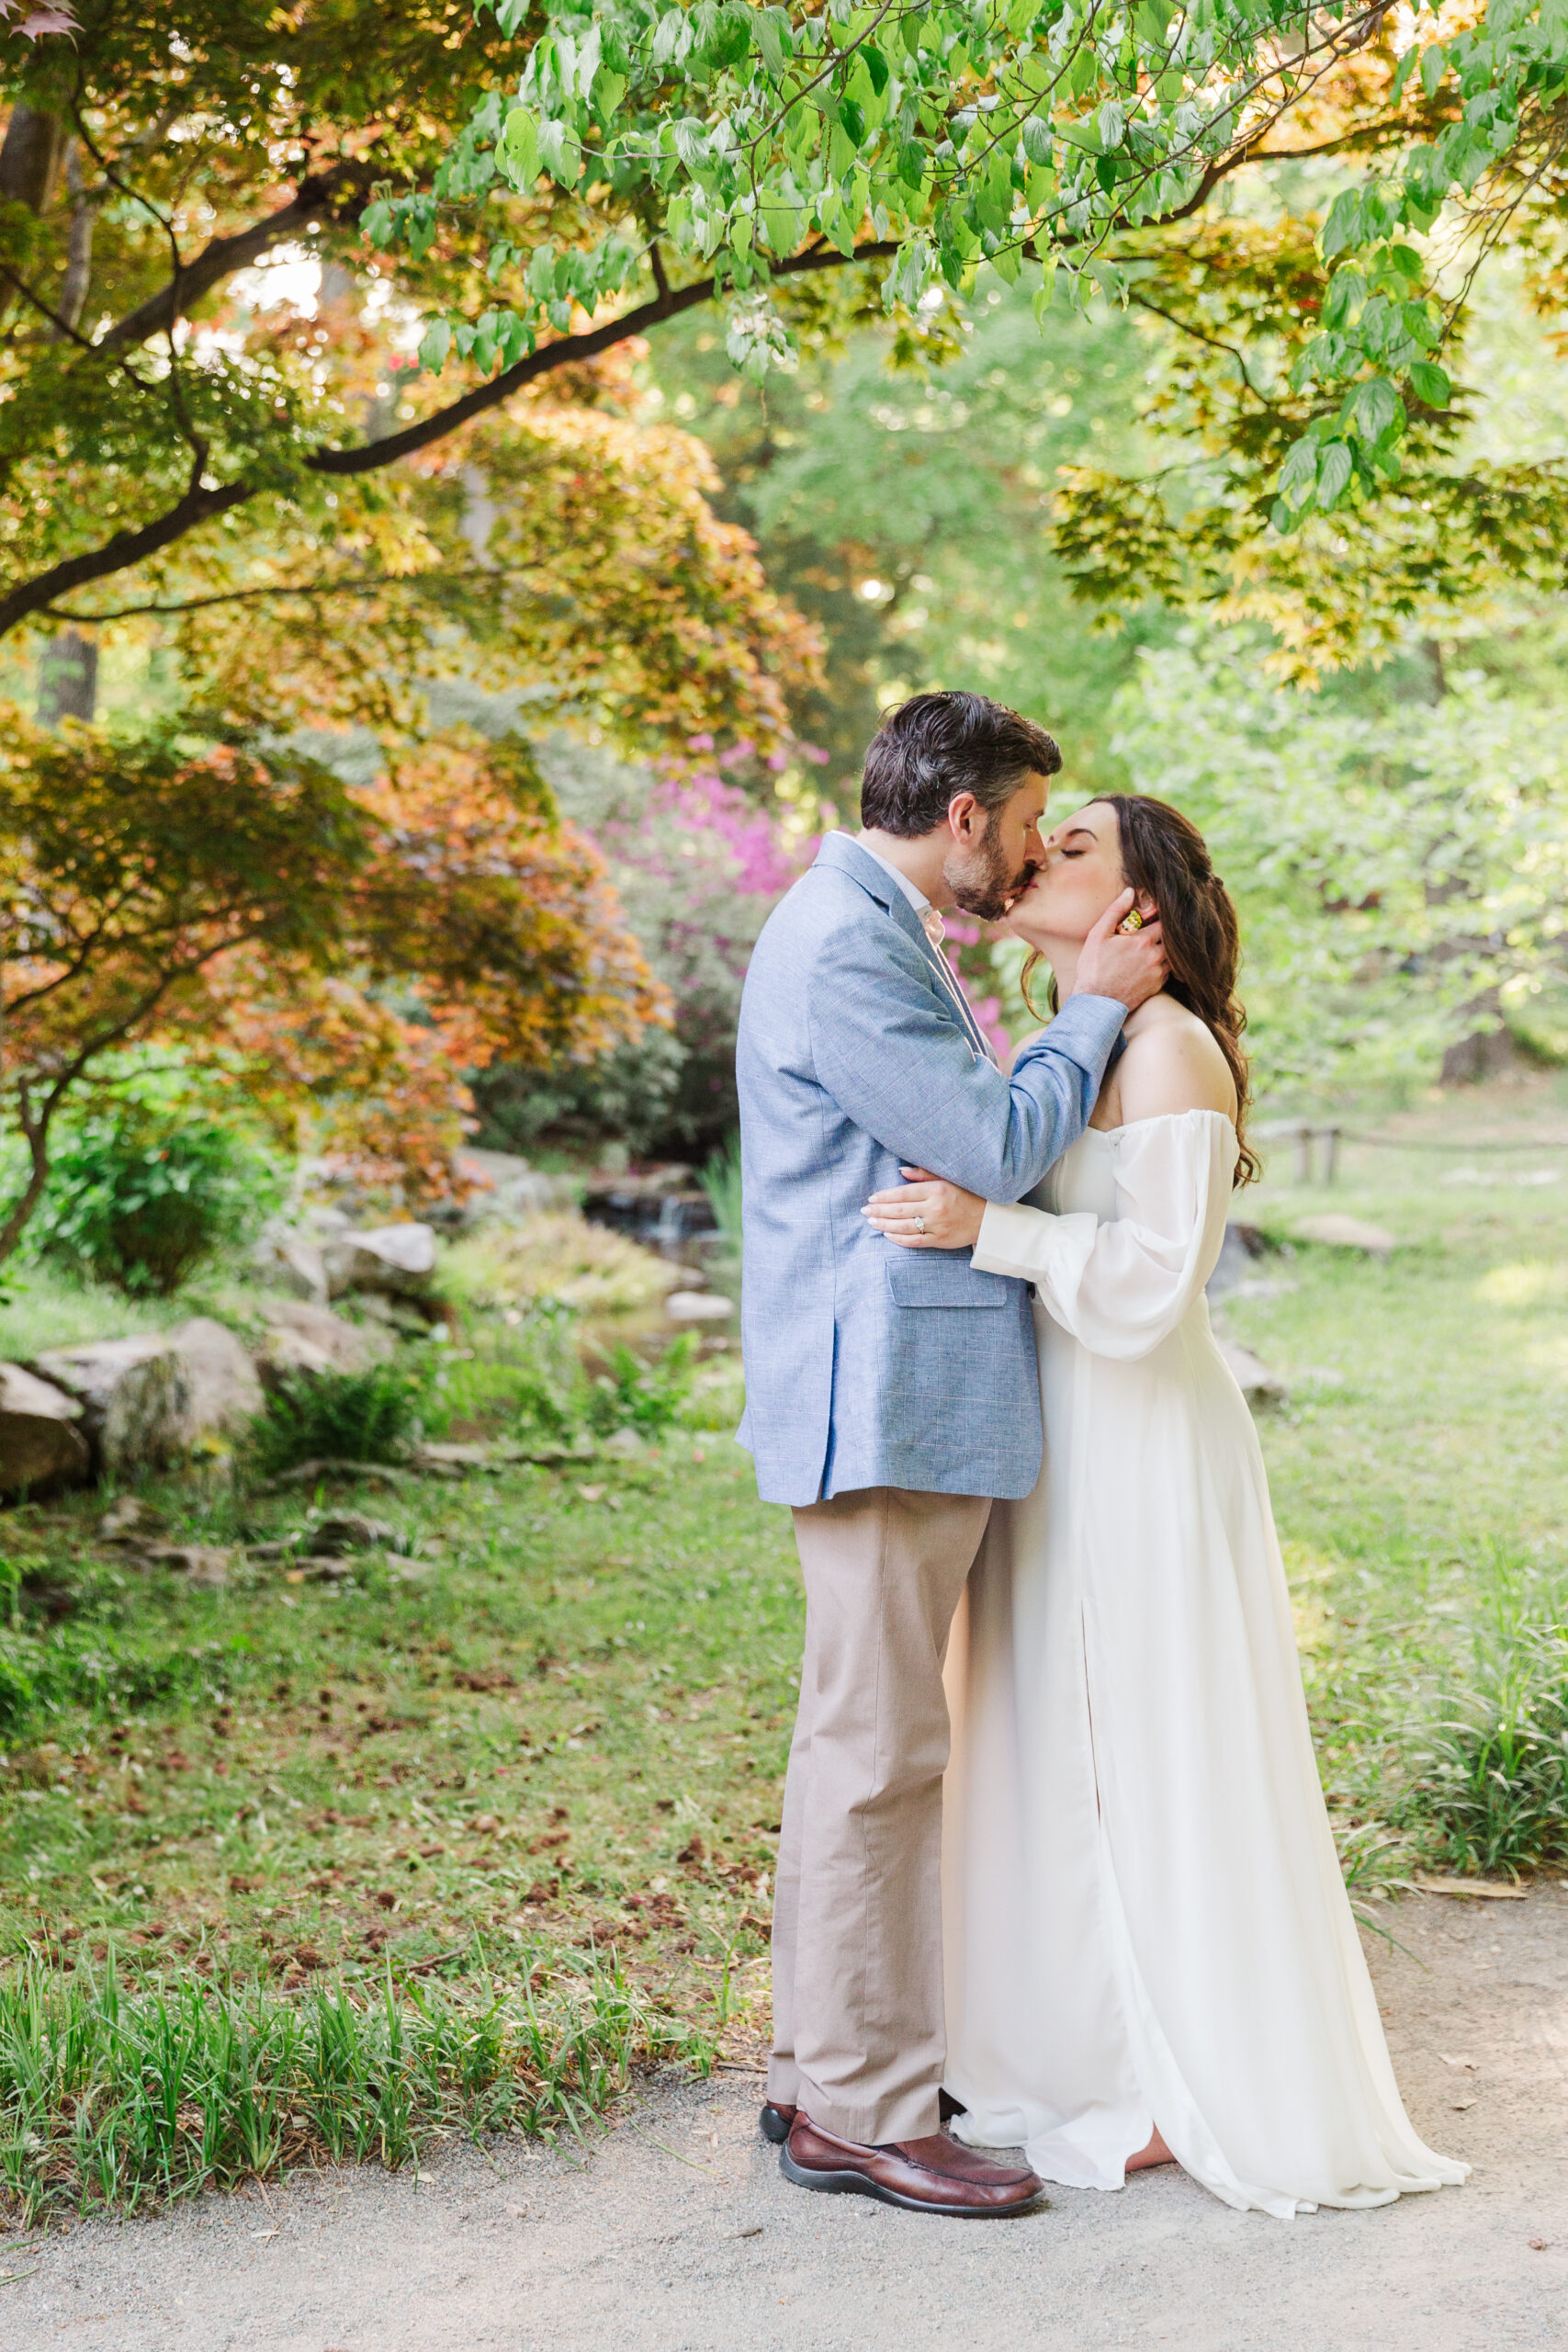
column 1145, row 1921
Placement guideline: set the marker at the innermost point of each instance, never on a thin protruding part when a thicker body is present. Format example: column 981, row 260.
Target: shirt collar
column 916, row 897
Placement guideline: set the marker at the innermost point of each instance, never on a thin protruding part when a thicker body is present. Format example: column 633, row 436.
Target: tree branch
column 372, row 455
column 315, row 194
column 197, row 505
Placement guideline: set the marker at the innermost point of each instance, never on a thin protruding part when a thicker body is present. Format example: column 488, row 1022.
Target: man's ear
column 964, row 816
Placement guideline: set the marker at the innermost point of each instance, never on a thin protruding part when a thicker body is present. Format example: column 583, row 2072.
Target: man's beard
column 985, row 883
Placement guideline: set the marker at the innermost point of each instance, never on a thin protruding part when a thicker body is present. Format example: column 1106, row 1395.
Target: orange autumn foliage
column 359, row 950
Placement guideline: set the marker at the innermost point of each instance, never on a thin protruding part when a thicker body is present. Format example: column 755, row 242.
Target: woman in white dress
column 1151, row 1956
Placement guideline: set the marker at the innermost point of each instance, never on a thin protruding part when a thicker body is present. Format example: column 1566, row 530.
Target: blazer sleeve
column 1122, row 1288
column 897, row 1062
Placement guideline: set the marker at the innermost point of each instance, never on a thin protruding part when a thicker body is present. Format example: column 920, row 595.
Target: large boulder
column 304, row 1337
column 293, row 1260
column 397, row 1259
column 146, row 1401
column 40, row 1445
column 223, row 1386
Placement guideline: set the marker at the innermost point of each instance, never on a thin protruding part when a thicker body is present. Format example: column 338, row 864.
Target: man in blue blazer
column 892, row 1396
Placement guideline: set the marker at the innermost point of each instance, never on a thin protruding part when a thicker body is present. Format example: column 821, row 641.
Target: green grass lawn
column 553, row 1740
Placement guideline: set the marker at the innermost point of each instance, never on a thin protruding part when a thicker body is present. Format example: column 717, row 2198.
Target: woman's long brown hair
column 1164, row 857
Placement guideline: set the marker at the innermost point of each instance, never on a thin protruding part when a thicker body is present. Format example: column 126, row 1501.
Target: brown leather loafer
column 931, row 2175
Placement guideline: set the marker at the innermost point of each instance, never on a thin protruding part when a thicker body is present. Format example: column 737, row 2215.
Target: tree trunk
column 30, row 158
column 67, row 678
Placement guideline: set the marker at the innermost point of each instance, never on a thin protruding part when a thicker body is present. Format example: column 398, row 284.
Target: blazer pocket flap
column 922, row 1278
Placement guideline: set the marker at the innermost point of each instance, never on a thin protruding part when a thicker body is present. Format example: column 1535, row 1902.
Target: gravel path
column 677, row 2232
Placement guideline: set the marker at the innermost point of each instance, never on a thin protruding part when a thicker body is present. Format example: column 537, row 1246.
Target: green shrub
column 644, row 1396
column 1487, row 1785
column 372, row 1416
column 149, row 1181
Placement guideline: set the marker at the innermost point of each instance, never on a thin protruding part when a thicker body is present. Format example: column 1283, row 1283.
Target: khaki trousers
column 859, row 2033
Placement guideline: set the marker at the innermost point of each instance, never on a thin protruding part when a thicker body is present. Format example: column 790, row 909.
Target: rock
column 135, row 1396
column 309, row 1568
column 1242, row 1244
column 395, row 1258
column 40, row 1445
column 305, row 1337
column 283, row 1353
column 698, row 1307
column 205, row 1565
column 452, row 1461
column 224, row 1389
column 293, row 1259
column 500, row 1184
column 350, row 1530
column 1337, row 1232
column 132, row 1524
column 147, row 1400
column 624, row 1441
column 1255, row 1382
column 330, row 1470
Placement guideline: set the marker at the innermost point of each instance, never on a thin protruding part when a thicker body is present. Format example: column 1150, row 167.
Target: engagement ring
column 919, row 1225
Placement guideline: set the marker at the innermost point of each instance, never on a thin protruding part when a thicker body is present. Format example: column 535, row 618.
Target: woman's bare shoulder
column 1172, row 1063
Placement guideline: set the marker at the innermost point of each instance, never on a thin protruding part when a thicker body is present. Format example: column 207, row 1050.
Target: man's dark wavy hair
column 935, row 746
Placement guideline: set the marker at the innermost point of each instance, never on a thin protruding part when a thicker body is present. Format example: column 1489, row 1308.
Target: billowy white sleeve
column 1124, row 1287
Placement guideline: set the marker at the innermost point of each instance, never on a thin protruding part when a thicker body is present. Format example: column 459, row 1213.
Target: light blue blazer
column 868, row 1366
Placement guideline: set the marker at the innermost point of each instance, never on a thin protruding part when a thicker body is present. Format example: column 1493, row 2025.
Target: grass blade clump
column 371, row 1416
column 720, row 1180
column 133, row 2096
column 1487, row 1787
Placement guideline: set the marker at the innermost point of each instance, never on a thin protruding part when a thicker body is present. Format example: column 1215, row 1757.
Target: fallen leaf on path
column 1459, row 2105
column 1538, row 2245
column 1460, row 2065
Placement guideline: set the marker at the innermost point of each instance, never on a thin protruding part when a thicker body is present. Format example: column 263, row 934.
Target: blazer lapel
column 842, row 851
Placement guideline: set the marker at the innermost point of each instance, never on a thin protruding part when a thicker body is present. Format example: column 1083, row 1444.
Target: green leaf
column 1341, row 227
column 1334, row 473
column 780, row 225
column 434, row 346
column 1035, row 137
column 379, row 223
column 673, row 37
column 520, row 146
column 1046, row 294
column 1298, row 475
column 1430, row 384
column 1434, row 66
column 1377, row 405
column 1347, row 293
column 560, row 155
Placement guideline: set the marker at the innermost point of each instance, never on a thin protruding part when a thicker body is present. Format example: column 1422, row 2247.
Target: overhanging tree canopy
column 543, row 183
